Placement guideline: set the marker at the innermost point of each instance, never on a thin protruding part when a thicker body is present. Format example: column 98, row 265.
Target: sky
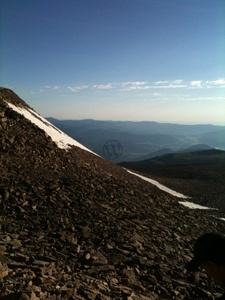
column 138, row 60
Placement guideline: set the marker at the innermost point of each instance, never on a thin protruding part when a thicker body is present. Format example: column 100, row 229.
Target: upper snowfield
column 60, row 138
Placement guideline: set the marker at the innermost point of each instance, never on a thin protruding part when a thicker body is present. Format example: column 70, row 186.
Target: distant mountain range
column 133, row 141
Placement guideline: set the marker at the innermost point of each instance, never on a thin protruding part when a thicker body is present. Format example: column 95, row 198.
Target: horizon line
column 141, row 121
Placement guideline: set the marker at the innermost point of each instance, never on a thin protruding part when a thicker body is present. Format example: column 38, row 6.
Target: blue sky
column 156, row 60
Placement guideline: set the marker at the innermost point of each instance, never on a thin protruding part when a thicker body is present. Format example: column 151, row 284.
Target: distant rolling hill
column 164, row 151
column 194, row 157
column 141, row 140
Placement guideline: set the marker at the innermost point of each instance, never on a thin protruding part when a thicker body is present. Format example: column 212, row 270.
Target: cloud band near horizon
column 145, row 85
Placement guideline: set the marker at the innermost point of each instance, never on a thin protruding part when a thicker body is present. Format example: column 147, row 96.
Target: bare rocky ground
column 74, row 226
column 203, row 183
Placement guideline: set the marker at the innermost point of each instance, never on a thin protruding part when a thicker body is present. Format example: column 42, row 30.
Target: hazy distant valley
column 141, row 140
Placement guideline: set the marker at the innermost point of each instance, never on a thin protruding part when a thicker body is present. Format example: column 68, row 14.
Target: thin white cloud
column 103, row 86
column 134, row 85
column 145, row 85
column 77, row 88
column 195, row 84
column 177, row 82
column 134, row 88
column 54, row 87
column 169, row 84
column 161, row 82
column 220, row 82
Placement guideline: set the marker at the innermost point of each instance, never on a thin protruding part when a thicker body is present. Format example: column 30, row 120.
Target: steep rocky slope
column 204, row 183
column 74, row 226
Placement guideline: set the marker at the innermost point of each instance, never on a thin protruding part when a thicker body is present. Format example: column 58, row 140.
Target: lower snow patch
column 160, row 186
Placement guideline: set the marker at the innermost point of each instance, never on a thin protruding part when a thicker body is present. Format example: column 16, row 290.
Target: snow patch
column 174, row 193
column 194, row 206
column 160, row 186
column 60, row 138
